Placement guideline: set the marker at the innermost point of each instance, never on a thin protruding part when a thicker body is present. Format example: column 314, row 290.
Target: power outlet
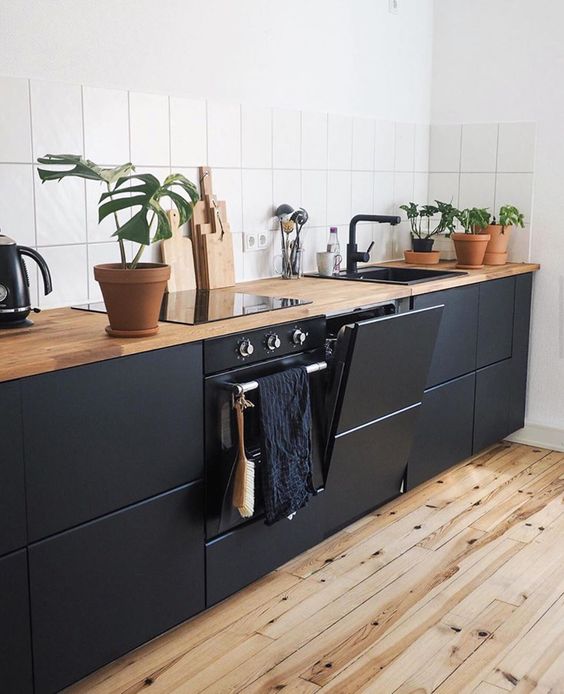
column 255, row 241
column 262, row 239
column 393, row 6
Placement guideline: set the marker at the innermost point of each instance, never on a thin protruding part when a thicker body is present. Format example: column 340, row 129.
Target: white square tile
column 339, row 142
column 69, row 272
column 383, row 237
column 362, row 192
column 287, row 187
column 15, row 124
column 314, row 140
column 516, row 153
column 257, row 137
column 314, row 197
column 188, row 132
column 479, row 147
column 17, row 218
column 258, row 212
column 445, row 148
column 106, row 126
column 56, row 110
column 338, row 197
column 519, row 249
column 315, row 240
column 405, row 147
column 444, row 187
column 421, row 188
column 224, row 134
column 383, row 193
column 384, row 145
column 258, row 265
column 363, row 144
column 286, row 138
column 149, row 118
column 515, row 189
column 239, row 257
column 99, row 253
column 422, row 147
column 60, row 211
column 227, row 186
column 403, row 190
column 477, row 190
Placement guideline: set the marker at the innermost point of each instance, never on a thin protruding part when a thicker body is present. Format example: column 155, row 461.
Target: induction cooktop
column 207, row 305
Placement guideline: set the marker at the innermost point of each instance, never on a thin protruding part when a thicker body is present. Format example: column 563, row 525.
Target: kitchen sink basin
column 393, row 275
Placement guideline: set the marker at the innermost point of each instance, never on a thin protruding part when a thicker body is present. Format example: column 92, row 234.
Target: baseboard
column 537, row 435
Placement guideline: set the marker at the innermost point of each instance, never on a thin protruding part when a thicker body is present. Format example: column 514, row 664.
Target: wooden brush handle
column 240, row 429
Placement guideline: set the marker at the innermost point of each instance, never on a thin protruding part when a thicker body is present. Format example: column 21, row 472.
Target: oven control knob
column 298, row 337
column 245, row 348
column 272, row 342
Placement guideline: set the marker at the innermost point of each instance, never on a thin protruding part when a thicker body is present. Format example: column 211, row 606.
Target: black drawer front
column 495, row 321
column 102, row 589
column 103, row 436
column 444, row 430
column 492, row 404
column 12, row 486
column 455, row 349
column 244, row 555
column 15, row 641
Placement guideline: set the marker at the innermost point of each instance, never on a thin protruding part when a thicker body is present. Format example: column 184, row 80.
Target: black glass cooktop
column 207, row 305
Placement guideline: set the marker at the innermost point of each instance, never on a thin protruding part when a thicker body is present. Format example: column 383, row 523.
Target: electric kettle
column 15, row 304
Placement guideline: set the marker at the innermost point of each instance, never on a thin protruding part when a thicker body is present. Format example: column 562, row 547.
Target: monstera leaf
column 81, row 168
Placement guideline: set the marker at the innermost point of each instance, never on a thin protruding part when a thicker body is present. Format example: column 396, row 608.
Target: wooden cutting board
column 178, row 253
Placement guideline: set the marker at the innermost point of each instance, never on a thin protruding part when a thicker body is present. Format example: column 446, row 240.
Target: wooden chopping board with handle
column 177, row 252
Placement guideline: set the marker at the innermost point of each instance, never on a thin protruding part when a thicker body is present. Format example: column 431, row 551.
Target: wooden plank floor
column 457, row 586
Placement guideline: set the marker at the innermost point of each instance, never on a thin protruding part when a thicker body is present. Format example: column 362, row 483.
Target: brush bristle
column 244, row 492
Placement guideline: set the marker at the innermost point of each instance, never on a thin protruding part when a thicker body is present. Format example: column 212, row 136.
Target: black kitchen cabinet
column 492, row 404
column 520, row 356
column 12, row 483
column 455, row 350
column 99, row 590
column 495, row 321
column 102, row 436
column 444, row 430
column 15, row 641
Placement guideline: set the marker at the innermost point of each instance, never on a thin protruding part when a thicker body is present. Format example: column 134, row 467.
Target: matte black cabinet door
column 521, row 326
column 455, row 350
column 102, row 589
column 12, row 488
column 444, row 430
column 15, row 642
column 492, row 404
column 495, row 321
column 102, row 436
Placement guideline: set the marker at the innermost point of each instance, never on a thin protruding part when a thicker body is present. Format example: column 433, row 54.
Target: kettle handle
column 40, row 260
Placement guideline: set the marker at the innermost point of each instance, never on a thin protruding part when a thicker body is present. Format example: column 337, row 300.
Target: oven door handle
column 240, row 388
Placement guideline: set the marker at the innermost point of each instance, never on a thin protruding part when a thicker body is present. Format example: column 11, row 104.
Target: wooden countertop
column 62, row 338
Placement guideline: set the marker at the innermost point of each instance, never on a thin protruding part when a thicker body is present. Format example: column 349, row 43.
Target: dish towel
column 285, row 424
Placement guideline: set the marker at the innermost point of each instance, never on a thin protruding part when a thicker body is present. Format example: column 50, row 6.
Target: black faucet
column 355, row 256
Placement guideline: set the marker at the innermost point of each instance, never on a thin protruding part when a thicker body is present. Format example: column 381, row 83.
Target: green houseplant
column 470, row 243
column 496, row 250
column 132, row 290
column 424, row 226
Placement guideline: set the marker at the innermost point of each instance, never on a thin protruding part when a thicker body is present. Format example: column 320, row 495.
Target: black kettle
column 15, row 304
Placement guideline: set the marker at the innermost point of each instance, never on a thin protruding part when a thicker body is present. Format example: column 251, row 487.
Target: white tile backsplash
column 256, row 137
column 287, row 187
column 314, row 140
column 445, row 148
column 444, row 187
column 338, row 197
column 60, row 211
column 314, row 197
column 422, row 147
column 69, row 271
column 516, row 153
column 56, row 110
column 363, row 144
column 405, row 147
column 15, row 124
column 106, row 126
column 188, row 132
column 384, row 145
column 362, row 192
column 479, row 148
column 227, row 186
column 515, row 189
column 286, row 138
column 477, row 190
column 383, row 198
column 150, row 129
column 17, row 218
column 258, row 213
column 224, row 134
column 339, row 142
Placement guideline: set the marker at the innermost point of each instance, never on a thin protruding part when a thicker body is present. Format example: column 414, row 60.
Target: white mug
column 327, row 262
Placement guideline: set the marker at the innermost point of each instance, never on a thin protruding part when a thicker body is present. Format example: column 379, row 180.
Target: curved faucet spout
column 353, row 255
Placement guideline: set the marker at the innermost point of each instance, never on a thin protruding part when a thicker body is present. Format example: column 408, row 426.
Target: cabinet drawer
column 444, row 430
column 455, row 349
column 495, row 321
column 492, row 404
column 12, row 490
column 103, row 436
column 106, row 587
column 15, row 642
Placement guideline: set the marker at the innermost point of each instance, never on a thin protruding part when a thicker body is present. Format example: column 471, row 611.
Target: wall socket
column 393, row 6
column 255, row 241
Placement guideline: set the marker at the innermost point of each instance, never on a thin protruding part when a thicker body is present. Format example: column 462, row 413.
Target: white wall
column 503, row 60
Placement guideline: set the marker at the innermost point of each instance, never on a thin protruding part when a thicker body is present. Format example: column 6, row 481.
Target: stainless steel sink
column 393, row 275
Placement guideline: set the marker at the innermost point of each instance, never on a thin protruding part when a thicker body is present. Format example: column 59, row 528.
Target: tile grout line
column 33, row 185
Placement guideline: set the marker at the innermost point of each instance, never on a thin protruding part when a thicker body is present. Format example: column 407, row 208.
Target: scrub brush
column 244, row 485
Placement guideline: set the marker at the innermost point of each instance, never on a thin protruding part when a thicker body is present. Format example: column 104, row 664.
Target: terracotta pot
column 415, row 258
column 133, row 297
column 422, row 245
column 495, row 258
column 470, row 249
column 499, row 239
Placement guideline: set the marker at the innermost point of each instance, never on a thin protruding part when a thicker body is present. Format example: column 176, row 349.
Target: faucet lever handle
column 370, row 248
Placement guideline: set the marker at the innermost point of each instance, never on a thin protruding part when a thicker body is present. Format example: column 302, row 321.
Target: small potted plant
column 496, row 250
column 423, row 230
column 470, row 244
column 132, row 291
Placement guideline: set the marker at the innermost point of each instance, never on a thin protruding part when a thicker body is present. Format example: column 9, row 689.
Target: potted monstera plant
column 424, row 226
column 470, row 244
column 132, row 290
column 496, row 250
